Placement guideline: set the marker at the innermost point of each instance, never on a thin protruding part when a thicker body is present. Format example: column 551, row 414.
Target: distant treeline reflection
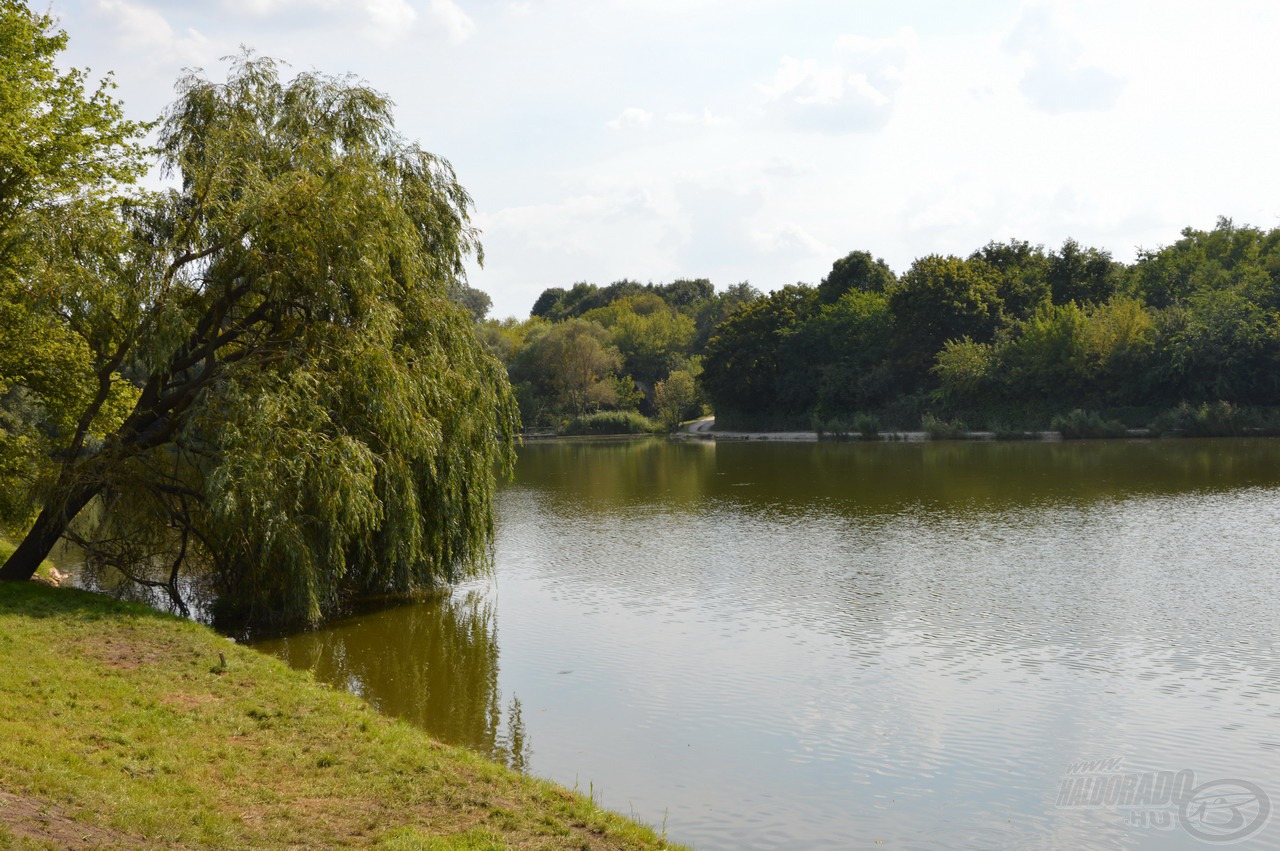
column 873, row 478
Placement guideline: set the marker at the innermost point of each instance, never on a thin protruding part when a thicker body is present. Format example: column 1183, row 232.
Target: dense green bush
column 867, row 426
column 939, row 429
column 1087, row 424
column 858, row 427
column 1210, row 419
column 610, row 422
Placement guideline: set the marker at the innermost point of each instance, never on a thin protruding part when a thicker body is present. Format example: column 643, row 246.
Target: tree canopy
column 857, row 270
column 279, row 380
column 57, row 140
column 629, row 341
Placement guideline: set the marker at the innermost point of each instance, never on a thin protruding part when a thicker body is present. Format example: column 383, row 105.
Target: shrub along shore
column 127, row 727
column 1206, row 419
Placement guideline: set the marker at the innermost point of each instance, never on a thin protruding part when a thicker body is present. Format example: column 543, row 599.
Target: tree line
column 1012, row 334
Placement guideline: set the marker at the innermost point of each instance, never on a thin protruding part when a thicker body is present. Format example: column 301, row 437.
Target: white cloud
column 141, row 30
column 706, row 219
column 784, row 166
column 384, row 20
column 631, row 118
column 389, row 18
column 789, row 238
column 975, row 130
column 853, row 93
column 703, row 119
column 576, row 225
column 457, row 23
column 1059, row 75
column 259, row 8
column 948, row 214
column 609, row 233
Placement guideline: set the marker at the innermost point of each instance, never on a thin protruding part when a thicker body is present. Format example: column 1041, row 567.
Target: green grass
column 122, row 724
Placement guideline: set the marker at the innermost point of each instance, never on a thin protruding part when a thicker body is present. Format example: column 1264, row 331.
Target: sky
column 758, row 140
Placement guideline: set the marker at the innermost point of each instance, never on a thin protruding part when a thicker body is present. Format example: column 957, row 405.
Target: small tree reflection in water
column 433, row 664
column 92, row 575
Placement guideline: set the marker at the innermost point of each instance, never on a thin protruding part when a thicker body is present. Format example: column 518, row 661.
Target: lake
column 764, row 645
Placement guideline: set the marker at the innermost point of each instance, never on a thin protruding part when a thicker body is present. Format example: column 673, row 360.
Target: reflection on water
column 194, row 587
column 888, row 477
column 434, row 664
column 822, row 646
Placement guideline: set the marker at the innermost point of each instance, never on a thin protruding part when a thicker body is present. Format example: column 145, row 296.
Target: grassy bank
column 126, row 727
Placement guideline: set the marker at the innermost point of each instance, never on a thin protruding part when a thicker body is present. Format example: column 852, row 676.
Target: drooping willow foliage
column 312, row 417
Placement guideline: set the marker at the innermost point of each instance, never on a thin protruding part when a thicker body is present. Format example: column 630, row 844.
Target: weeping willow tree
column 281, row 388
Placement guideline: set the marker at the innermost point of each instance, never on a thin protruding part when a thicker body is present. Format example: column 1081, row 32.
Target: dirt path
column 702, row 426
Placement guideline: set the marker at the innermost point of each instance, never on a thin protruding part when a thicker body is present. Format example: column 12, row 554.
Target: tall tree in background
column 1079, row 274
column 308, row 409
column 1022, row 272
column 744, row 370
column 940, row 299
column 857, row 270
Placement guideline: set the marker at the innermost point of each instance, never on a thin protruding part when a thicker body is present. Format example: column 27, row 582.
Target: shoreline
column 126, row 727
column 685, row 433
column 704, row 429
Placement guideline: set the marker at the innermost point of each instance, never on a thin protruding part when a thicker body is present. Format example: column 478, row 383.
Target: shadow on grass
column 37, row 600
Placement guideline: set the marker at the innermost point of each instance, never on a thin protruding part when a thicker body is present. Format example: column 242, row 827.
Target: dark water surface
column 825, row 645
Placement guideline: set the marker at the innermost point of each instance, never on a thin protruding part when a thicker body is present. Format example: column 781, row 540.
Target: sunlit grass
column 128, row 721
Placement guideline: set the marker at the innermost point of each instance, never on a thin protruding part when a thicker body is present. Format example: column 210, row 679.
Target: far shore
column 704, row 429
column 707, row 432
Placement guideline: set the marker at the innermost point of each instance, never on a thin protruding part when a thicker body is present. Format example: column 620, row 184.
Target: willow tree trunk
column 49, row 526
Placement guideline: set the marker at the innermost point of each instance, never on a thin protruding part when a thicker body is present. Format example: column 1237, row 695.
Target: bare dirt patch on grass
column 41, row 822
column 128, row 650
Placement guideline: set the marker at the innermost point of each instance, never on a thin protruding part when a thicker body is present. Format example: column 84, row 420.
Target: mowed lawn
column 121, row 726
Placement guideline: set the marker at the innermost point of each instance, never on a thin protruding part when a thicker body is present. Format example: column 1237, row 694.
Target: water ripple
column 819, row 646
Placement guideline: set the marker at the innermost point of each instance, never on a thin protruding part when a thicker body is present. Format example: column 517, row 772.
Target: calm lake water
column 828, row 645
